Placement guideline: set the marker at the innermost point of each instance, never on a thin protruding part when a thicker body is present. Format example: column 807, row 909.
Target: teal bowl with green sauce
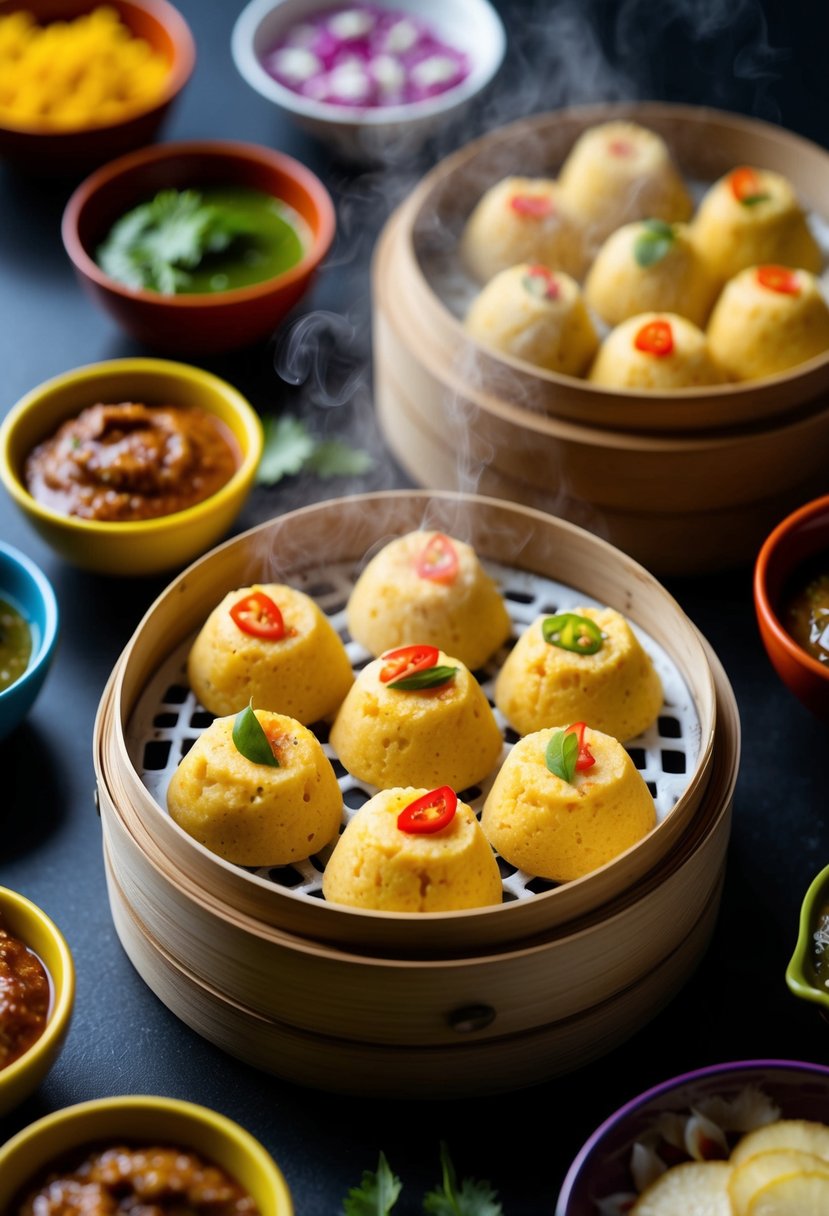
column 199, row 247
column 807, row 974
column 28, row 635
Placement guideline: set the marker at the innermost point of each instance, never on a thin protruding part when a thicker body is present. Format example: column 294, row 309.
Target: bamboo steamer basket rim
column 568, row 398
column 232, row 563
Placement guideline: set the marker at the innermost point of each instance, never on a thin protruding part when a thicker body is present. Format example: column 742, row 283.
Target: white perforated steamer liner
column 167, row 718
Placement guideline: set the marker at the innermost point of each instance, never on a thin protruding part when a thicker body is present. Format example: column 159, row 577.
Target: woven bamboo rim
column 707, row 143
column 351, row 526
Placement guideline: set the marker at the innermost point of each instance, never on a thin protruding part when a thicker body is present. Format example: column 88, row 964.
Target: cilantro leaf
column 290, row 448
column 287, row 447
column 377, row 1193
column 155, row 244
column 472, row 1198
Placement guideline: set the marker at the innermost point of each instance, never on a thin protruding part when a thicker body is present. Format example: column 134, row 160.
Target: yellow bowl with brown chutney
column 131, row 466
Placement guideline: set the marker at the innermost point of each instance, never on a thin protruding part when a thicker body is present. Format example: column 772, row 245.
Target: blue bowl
column 28, row 590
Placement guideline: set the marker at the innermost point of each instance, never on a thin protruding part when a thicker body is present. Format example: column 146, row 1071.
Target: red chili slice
column 585, row 759
column 438, row 560
column 430, row 813
column 259, row 616
column 536, row 206
column 655, row 338
column 406, row 661
column 746, row 187
column 620, row 147
column 778, row 278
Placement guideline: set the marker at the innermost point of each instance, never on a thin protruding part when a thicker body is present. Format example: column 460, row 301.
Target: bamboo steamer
column 351, row 527
column 356, row 1023
column 408, row 1006
column 651, row 473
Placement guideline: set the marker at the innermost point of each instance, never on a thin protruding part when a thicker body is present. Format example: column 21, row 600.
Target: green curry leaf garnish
column 561, row 755
column 251, row 740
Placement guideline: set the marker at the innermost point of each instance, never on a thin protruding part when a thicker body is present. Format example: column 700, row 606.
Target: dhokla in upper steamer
column 650, row 266
column 617, row 172
column 413, row 850
column 521, row 219
column 767, row 320
column 257, row 789
column 427, row 587
column 655, row 352
column 565, row 801
column 751, row 217
column 535, row 314
column 417, row 717
column 586, row 665
column 273, row 644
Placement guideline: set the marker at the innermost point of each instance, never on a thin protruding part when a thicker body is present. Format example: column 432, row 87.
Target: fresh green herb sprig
column 155, row 245
column 431, row 677
column 290, row 448
column 250, row 739
column 653, row 243
column 379, row 1191
column 561, row 755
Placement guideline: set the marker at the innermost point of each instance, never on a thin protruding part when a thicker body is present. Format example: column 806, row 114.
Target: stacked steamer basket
column 404, row 1005
column 685, row 482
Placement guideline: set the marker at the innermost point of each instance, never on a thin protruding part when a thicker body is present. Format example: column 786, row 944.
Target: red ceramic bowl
column 193, row 324
column 801, row 536
column 41, row 150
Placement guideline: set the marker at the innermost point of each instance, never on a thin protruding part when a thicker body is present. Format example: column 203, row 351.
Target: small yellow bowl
column 145, row 546
column 143, row 1119
column 25, row 921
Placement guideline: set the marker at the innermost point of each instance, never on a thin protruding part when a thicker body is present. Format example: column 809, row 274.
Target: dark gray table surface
column 757, row 60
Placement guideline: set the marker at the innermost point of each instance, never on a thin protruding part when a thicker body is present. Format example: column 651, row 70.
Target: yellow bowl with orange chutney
column 39, row 989
column 184, row 1141
column 131, row 466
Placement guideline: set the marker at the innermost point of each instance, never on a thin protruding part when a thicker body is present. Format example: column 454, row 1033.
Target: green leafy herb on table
column 377, row 1193
column 380, row 1190
column 471, row 1198
column 290, row 448
column 157, row 243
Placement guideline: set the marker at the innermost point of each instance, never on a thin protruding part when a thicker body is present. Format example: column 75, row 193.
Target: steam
column 561, row 53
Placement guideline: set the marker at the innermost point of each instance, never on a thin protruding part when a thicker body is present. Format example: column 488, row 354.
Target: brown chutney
column 155, row 1179
column 25, row 997
column 129, row 461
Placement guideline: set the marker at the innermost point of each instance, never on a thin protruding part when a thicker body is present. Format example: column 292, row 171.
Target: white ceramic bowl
column 379, row 133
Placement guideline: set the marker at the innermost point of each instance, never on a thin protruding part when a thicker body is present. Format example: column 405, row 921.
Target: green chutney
column 276, row 239
column 204, row 240
column 15, row 644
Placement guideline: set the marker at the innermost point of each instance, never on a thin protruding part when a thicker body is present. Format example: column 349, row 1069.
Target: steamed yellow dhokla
column 388, row 735
column 520, row 219
column 749, row 217
column 593, row 668
column 252, row 813
column 650, row 266
column 767, row 320
column 559, row 828
column 273, row 644
column 535, row 314
column 655, row 352
column 376, row 864
column 617, row 172
column 431, row 588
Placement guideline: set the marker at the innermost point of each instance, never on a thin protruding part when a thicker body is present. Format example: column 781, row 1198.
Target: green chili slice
column 569, row 631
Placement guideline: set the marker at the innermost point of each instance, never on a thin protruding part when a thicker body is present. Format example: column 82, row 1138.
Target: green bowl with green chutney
column 807, row 974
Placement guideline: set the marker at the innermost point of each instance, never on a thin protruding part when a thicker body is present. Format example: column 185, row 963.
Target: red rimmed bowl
column 194, row 323
column 42, row 149
column 798, row 541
